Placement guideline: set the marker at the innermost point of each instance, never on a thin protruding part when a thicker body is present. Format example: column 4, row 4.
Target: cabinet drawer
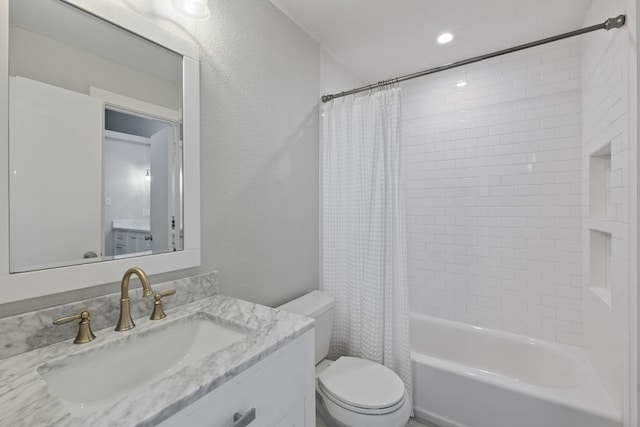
column 293, row 418
column 276, row 387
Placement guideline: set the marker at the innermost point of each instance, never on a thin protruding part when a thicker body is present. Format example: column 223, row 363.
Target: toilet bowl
column 350, row 392
column 353, row 392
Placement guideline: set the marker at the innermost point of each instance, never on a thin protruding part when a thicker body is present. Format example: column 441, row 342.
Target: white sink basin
column 92, row 381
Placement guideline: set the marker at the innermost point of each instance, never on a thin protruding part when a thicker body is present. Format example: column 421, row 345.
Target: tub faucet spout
column 125, row 321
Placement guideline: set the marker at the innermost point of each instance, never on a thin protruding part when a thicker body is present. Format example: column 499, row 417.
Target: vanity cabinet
column 280, row 388
column 130, row 242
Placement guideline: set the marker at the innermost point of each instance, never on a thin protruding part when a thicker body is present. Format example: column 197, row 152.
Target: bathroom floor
column 412, row 423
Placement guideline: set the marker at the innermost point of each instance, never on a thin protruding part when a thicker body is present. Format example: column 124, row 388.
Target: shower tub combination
column 466, row 376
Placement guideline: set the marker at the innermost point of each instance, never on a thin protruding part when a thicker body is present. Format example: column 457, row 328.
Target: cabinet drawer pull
column 240, row 420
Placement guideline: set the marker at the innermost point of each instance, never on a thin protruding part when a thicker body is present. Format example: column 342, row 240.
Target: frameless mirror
column 95, row 140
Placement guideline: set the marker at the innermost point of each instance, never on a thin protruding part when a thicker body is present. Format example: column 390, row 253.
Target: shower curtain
column 363, row 229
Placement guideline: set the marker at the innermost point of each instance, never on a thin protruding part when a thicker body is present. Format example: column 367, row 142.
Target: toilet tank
column 318, row 305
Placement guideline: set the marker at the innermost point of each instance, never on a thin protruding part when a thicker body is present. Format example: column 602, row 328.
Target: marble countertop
column 143, row 225
column 25, row 398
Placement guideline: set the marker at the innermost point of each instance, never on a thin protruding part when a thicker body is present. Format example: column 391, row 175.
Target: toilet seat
column 362, row 386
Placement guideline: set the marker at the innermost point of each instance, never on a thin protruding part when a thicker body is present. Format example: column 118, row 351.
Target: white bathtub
column 476, row 377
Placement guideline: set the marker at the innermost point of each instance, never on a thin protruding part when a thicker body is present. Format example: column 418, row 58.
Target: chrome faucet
column 126, row 322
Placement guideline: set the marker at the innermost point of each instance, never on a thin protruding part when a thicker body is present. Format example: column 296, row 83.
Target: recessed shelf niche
column 600, row 183
column 600, row 265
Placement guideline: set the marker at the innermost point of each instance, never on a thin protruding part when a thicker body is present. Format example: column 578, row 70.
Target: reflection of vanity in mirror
column 103, row 146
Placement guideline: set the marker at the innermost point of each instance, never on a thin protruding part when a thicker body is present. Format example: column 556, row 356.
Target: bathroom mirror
column 63, row 211
column 102, row 136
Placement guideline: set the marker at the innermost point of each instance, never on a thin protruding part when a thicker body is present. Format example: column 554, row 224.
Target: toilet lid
column 362, row 384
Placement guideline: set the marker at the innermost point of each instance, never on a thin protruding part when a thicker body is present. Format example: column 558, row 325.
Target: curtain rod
column 609, row 24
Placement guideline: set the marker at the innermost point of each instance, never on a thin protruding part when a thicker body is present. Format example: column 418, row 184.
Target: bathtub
column 466, row 376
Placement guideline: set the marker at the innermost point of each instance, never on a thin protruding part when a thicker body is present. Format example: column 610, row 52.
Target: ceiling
column 381, row 39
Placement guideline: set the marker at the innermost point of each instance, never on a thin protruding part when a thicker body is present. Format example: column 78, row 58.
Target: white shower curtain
column 363, row 229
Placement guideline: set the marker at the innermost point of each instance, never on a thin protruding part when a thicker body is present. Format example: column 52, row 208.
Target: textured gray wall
column 260, row 85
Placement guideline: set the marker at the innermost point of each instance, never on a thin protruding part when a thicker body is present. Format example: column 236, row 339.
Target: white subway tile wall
column 605, row 109
column 494, row 193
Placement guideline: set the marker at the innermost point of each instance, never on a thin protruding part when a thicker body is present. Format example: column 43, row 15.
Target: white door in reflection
column 55, row 183
column 163, row 209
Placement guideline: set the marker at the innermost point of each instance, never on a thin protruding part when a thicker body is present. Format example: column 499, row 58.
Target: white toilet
column 350, row 392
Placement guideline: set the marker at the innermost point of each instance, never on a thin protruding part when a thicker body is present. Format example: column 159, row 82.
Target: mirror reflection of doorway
column 142, row 159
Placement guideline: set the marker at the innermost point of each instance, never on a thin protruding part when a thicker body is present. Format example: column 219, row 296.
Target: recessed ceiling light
column 461, row 83
column 445, row 38
column 193, row 8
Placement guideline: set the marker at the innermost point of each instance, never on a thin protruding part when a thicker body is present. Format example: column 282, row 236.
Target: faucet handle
column 84, row 331
column 158, row 312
